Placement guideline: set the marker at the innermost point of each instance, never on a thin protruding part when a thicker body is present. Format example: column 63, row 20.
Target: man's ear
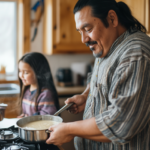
column 112, row 18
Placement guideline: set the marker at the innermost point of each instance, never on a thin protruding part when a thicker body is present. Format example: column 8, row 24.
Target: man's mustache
column 90, row 43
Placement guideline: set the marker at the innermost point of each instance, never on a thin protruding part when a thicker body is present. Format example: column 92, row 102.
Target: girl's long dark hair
column 43, row 74
column 100, row 9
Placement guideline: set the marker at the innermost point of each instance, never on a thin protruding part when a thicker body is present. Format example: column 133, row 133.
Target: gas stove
column 10, row 140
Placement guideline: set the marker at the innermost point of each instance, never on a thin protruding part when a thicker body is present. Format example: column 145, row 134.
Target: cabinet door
column 64, row 37
column 60, row 35
column 140, row 10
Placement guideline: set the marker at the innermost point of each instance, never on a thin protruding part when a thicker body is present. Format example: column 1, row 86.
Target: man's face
column 93, row 32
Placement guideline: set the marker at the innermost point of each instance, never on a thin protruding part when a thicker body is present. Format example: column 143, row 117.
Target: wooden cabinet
column 23, row 27
column 60, row 35
column 140, row 10
column 14, row 105
column 26, row 18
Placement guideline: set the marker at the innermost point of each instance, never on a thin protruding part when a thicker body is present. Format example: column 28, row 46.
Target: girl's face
column 27, row 75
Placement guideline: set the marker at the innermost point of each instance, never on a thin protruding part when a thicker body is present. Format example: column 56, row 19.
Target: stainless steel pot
column 2, row 112
column 34, row 136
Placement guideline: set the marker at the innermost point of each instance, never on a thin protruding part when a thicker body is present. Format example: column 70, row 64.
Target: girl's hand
column 21, row 116
column 25, row 115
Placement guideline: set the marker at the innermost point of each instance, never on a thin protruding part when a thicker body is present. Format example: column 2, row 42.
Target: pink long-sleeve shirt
column 45, row 103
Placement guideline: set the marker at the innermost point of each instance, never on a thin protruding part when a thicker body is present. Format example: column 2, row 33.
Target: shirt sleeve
column 46, row 103
column 129, row 95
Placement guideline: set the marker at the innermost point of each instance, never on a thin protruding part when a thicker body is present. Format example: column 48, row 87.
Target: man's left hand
column 59, row 135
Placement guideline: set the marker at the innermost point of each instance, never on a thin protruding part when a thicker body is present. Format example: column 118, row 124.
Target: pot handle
column 63, row 108
column 48, row 131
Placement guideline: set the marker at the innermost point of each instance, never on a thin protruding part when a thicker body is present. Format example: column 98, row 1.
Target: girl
column 37, row 90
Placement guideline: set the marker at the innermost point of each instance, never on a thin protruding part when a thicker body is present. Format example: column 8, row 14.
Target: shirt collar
column 119, row 40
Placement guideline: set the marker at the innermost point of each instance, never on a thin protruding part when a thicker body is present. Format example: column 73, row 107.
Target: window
column 11, row 35
column 8, row 35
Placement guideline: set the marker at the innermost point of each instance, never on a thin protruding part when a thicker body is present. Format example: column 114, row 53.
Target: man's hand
column 65, row 132
column 79, row 103
column 59, row 135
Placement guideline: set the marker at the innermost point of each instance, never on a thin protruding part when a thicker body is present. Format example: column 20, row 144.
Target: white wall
column 65, row 61
column 37, row 44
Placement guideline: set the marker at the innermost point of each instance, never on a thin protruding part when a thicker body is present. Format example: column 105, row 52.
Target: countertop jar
column 2, row 111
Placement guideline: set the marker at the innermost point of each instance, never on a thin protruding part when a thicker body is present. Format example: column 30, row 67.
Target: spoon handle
column 63, row 108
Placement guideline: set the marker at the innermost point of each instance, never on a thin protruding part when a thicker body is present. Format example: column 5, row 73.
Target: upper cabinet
column 141, row 11
column 60, row 35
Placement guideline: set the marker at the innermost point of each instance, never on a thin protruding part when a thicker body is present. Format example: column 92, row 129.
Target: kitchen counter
column 70, row 90
column 6, row 123
column 9, row 79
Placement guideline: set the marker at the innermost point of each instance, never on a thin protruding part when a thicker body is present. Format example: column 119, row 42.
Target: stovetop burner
column 9, row 140
column 17, row 147
column 8, row 135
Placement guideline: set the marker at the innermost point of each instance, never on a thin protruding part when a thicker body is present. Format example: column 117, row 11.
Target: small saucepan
column 36, row 136
column 2, row 111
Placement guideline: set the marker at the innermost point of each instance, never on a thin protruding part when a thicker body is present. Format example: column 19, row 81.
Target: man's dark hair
column 100, row 9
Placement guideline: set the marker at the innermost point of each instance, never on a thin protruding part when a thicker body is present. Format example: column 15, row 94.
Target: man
column 116, row 102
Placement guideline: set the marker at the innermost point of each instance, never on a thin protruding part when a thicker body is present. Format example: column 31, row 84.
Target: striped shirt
column 119, row 96
column 45, row 103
